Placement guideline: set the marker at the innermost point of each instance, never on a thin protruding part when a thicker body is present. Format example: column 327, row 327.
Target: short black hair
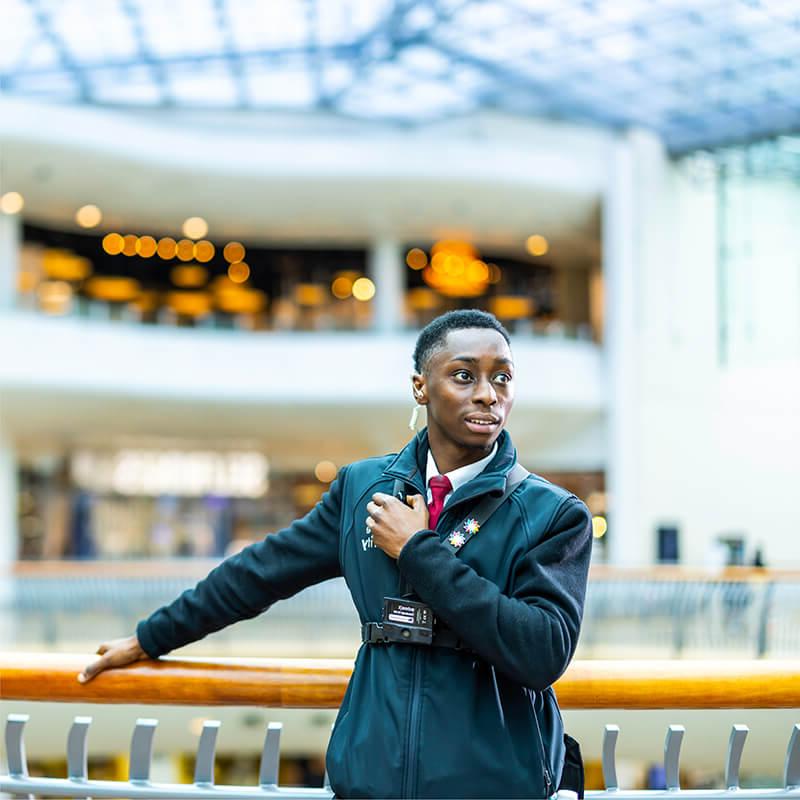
column 433, row 335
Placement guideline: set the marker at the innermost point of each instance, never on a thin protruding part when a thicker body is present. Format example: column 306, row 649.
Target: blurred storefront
column 156, row 503
column 153, row 502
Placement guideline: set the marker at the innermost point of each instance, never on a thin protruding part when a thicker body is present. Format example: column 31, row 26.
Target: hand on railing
column 116, row 653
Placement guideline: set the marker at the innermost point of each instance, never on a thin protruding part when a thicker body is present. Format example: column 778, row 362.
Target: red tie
column 440, row 486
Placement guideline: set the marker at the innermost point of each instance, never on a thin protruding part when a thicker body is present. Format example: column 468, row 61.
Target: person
column 470, row 711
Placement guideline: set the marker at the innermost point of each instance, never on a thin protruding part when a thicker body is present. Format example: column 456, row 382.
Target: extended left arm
column 531, row 634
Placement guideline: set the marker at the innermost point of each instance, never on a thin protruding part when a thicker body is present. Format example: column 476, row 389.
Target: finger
column 370, row 522
column 381, row 498
column 373, row 509
column 92, row 669
column 103, row 649
column 414, row 500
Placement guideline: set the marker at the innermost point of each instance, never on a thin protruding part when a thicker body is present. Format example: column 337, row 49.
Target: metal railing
column 746, row 612
column 595, row 684
column 666, row 612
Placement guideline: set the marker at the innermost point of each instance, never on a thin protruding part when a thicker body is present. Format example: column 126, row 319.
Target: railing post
column 678, row 617
column 672, row 756
column 77, row 756
column 791, row 771
column 142, row 750
column 270, row 756
column 206, row 749
column 610, row 736
column 763, row 620
column 734, row 756
column 15, row 745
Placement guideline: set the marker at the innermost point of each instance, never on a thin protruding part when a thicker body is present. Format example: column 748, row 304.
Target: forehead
column 475, row 343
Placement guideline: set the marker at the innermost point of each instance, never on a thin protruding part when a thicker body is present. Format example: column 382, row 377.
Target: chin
column 478, row 442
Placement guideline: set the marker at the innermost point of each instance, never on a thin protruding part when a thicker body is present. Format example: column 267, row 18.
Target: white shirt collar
column 458, row 477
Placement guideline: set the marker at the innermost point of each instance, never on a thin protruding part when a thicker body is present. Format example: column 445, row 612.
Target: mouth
column 482, row 423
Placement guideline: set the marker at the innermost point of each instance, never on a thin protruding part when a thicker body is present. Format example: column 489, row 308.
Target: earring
column 412, row 423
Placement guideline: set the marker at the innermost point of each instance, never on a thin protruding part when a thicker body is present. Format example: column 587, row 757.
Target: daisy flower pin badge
column 472, row 526
column 456, row 538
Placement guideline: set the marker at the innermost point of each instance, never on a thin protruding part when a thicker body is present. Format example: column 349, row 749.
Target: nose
column 485, row 392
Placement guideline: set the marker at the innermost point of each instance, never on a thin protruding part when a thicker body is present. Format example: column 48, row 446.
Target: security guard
column 468, row 574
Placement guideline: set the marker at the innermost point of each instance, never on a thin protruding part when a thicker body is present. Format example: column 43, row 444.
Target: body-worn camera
column 404, row 620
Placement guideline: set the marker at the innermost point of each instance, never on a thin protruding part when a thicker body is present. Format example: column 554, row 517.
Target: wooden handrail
column 196, row 568
column 277, row 683
column 320, row 683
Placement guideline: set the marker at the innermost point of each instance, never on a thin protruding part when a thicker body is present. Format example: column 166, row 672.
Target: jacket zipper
column 548, row 780
column 410, row 789
column 412, row 732
column 409, row 783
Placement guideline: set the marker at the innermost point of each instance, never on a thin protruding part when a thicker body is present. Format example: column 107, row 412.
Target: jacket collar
column 409, row 465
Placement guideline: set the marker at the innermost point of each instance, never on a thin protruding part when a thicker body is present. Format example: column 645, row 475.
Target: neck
column 449, row 456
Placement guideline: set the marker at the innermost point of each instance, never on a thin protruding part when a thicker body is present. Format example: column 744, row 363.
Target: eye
column 462, row 375
column 502, row 377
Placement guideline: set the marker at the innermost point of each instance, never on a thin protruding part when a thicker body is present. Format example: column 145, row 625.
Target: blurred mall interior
column 222, row 223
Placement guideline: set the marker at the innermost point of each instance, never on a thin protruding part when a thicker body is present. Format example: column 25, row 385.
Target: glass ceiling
column 700, row 72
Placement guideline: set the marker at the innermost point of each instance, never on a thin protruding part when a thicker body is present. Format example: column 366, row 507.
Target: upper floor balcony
column 295, row 307
column 87, row 379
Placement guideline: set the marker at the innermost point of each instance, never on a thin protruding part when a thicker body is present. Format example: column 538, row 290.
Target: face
column 468, row 389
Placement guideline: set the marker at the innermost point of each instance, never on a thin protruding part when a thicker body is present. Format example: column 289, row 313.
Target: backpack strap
column 472, row 524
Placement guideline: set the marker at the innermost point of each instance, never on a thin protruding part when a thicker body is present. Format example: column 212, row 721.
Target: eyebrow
column 473, row 360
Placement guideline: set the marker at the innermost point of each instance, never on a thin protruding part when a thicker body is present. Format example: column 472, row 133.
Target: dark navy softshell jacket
column 419, row 721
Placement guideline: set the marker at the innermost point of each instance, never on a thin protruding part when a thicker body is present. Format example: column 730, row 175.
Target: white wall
column 718, row 444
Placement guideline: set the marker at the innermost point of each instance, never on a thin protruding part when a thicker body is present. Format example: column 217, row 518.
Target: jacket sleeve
column 529, row 635
column 249, row 582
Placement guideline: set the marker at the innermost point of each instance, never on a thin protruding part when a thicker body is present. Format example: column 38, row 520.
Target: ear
column 418, row 388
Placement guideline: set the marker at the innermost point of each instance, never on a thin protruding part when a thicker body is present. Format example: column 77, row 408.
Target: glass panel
column 17, row 36
column 662, row 64
column 759, row 204
column 93, row 32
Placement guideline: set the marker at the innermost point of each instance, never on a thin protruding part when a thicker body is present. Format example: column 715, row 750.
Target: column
column 9, row 537
column 10, row 237
column 387, row 271
column 633, row 233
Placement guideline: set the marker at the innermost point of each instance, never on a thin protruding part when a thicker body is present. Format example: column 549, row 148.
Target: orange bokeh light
column 204, row 251
column 146, row 246
column 239, row 272
column 416, row 258
column 185, row 250
column 129, row 243
column 166, row 248
column 112, row 244
column 455, row 270
column 233, row 252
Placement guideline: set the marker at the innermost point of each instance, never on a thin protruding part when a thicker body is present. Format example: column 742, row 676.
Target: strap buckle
column 372, row 633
